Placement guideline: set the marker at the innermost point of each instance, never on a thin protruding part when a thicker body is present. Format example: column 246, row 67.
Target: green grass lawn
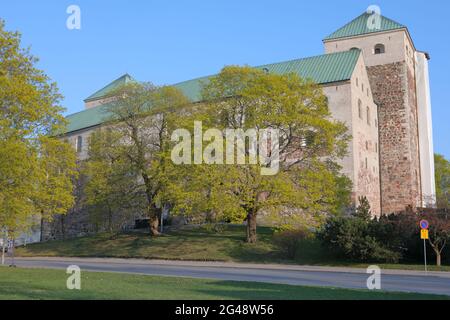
column 198, row 244
column 44, row 284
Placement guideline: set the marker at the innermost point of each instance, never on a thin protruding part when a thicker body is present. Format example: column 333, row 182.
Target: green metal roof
column 87, row 118
column 126, row 78
column 323, row 69
column 360, row 26
column 327, row 68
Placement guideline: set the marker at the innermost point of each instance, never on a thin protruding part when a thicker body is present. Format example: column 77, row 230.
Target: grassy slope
column 51, row 284
column 194, row 244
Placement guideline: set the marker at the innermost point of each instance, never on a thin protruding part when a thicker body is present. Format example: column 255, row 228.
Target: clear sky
column 166, row 42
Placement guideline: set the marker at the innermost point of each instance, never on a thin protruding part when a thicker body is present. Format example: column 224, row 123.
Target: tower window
column 79, row 144
column 379, row 49
column 368, row 115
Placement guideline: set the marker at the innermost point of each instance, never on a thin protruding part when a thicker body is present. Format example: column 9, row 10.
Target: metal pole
column 425, row 254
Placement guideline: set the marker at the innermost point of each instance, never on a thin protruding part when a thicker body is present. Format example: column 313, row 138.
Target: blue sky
column 166, row 42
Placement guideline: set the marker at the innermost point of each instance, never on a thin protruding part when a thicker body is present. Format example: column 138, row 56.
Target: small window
column 367, row 145
column 362, row 87
column 376, row 147
column 368, row 115
column 79, row 144
column 360, row 115
column 367, row 165
column 357, row 82
column 379, row 49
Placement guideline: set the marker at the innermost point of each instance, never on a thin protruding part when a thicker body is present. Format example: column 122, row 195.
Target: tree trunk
column 251, row 228
column 438, row 259
column 154, row 221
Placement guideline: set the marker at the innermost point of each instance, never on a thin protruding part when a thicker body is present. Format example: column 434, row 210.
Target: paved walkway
column 391, row 280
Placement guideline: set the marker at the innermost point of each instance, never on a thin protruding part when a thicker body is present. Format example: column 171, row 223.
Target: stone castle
column 376, row 82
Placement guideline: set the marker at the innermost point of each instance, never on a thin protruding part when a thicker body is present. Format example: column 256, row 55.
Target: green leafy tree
column 442, row 174
column 36, row 167
column 244, row 98
column 110, row 191
column 142, row 118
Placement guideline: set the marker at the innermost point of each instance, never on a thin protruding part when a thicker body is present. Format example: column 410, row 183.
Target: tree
column 363, row 209
column 439, row 232
column 110, row 190
column 142, row 117
column 442, row 174
column 243, row 98
column 36, row 166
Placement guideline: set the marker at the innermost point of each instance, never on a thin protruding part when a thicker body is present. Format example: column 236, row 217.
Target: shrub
column 289, row 242
column 352, row 239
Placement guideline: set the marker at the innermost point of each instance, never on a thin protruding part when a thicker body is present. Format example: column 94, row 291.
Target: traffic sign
column 424, row 224
column 424, row 234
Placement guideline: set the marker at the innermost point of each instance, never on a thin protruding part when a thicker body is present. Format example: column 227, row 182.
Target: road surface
column 400, row 281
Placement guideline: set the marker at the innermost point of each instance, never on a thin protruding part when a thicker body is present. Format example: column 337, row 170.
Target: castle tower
column 398, row 76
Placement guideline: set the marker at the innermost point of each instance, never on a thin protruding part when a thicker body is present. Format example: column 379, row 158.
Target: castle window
column 368, row 115
column 79, row 144
column 362, row 87
column 379, row 49
column 376, row 147
column 367, row 165
column 360, row 115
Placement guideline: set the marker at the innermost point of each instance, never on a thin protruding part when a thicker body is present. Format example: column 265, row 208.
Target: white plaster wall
column 339, row 102
column 397, row 44
column 343, row 103
column 425, row 130
column 365, row 138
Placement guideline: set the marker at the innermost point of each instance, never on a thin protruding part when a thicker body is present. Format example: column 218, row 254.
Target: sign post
column 424, row 235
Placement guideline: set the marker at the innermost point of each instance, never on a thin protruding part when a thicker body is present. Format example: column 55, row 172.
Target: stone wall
column 392, row 86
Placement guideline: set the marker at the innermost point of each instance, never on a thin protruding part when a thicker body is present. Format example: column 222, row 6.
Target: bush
column 351, row 238
column 289, row 242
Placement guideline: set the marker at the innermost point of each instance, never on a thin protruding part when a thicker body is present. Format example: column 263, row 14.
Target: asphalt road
column 401, row 281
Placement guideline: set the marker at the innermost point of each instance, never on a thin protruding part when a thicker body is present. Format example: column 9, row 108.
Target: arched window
column 79, row 144
column 380, row 49
column 360, row 115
